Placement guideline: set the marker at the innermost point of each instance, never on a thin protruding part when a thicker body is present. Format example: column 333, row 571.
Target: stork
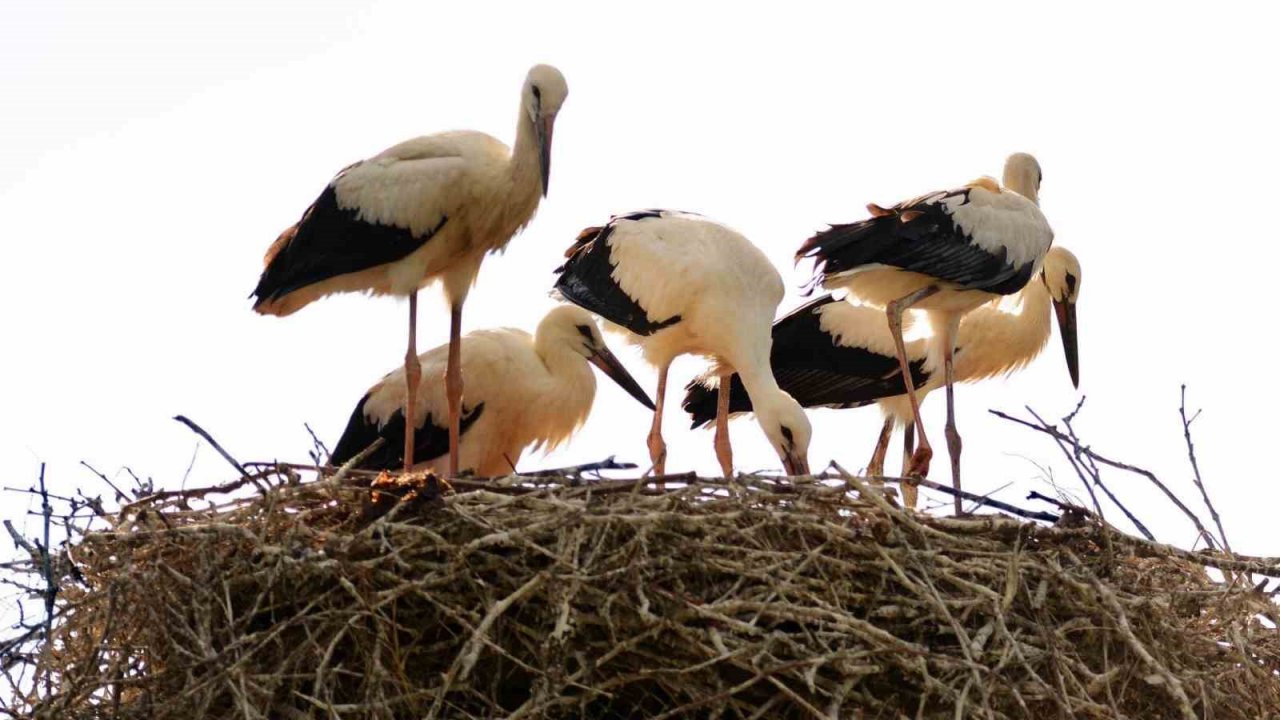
column 678, row 283
column 945, row 253
column 833, row 354
column 522, row 391
column 427, row 209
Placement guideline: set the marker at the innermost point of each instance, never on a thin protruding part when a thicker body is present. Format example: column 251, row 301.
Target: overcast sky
column 151, row 151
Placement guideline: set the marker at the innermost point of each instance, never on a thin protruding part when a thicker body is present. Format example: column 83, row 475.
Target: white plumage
column 426, row 209
column 946, row 253
column 679, row 283
column 524, row 392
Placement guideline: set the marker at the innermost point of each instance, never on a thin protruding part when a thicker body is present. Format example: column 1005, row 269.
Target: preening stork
column 424, row 210
column 679, row 283
column 832, row 354
column 522, row 391
column 945, row 253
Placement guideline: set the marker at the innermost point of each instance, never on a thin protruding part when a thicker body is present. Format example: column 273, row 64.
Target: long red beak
column 1066, row 312
column 546, row 128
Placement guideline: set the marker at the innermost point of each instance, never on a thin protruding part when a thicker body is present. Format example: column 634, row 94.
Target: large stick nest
column 753, row 598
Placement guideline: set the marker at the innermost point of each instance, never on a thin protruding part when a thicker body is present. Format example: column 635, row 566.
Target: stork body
column 678, row 283
column 424, row 210
column 946, row 253
column 523, row 391
column 832, row 354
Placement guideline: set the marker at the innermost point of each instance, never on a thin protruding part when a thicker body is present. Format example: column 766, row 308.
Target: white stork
column 424, row 210
column 833, row 354
column 945, row 253
column 522, row 391
column 679, row 283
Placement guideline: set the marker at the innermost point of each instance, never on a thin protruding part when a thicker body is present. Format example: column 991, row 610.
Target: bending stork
column 946, row 253
column 522, row 391
column 424, row 210
column 680, row 283
column 832, row 354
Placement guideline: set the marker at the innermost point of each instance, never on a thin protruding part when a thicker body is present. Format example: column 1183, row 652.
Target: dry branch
column 558, row 597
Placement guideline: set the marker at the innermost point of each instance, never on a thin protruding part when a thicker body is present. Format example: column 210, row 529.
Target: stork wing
column 959, row 236
column 430, row 441
column 373, row 213
column 586, row 279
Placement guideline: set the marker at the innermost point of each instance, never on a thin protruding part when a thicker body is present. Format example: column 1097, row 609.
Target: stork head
column 1022, row 175
column 569, row 326
column 1061, row 274
column 788, row 429
column 544, row 93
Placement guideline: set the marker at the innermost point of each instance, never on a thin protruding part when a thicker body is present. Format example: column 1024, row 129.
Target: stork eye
column 786, row 433
column 537, row 93
column 1071, row 284
column 585, row 331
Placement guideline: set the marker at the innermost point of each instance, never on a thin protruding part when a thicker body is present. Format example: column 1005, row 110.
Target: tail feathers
column 701, row 398
column 847, row 246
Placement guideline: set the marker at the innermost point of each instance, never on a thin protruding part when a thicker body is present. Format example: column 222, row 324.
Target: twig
column 1195, row 466
column 120, row 496
column 225, row 455
column 319, row 446
column 1095, row 457
column 608, row 463
column 979, row 499
column 1085, row 467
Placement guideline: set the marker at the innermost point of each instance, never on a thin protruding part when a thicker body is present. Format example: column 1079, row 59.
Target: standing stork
column 945, row 253
column 679, row 283
column 832, row 354
column 424, row 210
column 522, row 391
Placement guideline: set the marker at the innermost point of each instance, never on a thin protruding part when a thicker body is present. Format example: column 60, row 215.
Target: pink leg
column 920, row 460
column 412, row 376
column 953, row 436
column 453, row 386
column 658, row 448
column 875, row 468
column 724, row 452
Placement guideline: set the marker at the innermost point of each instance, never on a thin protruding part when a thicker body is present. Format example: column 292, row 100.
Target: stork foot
column 919, row 465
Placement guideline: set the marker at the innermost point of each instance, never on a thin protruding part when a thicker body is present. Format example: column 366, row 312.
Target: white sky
column 152, row 150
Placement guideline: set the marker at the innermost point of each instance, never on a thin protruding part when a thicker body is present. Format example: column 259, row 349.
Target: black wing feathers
column 813, row 369
column 329, row 241
column 586, row 280
column 430, row 441
column 920, row 236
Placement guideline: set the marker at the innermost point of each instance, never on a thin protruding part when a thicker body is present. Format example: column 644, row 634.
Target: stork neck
column 992, row 341
column 525, row 168
column 1022, row 181
column 757, row 378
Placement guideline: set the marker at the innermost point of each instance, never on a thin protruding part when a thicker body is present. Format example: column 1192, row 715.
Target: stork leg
column 953, row 436
column 412, row 376
column 453, row 386
column 920, row 459
column 658, row 448
column 724, row 452
column 875, row 468
column 910, row 493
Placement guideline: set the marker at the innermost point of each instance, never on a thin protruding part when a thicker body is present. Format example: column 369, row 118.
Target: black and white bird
column 523, row 391
column 427, row 209
column 678, row 283
column 945, row 253
column 833, row 354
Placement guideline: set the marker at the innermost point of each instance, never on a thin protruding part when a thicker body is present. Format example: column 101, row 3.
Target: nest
column 750, row 598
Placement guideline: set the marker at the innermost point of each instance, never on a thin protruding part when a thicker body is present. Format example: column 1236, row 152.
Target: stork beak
column 545, row 127
column 795, row 464
column 1066, row 312
column 611, row 366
